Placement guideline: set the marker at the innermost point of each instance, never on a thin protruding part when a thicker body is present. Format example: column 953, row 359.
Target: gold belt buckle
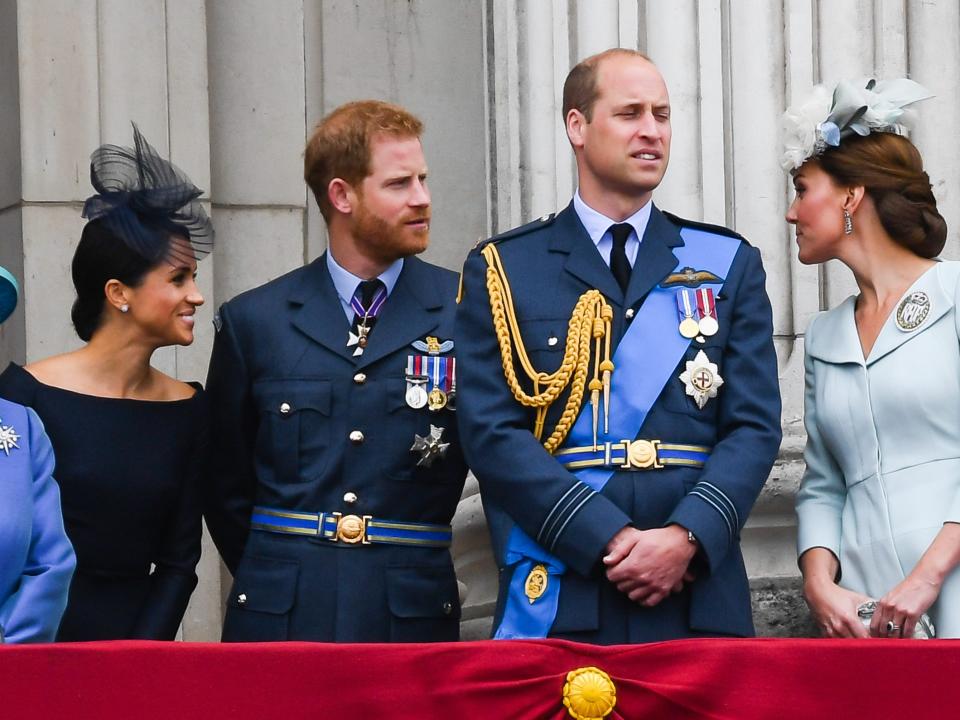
column 641, row 454
column 352, row 529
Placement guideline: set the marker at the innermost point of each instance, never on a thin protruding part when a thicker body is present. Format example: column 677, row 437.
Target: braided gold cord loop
column 589, row 324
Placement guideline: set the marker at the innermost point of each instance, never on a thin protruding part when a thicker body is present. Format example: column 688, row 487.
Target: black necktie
column 619, row 264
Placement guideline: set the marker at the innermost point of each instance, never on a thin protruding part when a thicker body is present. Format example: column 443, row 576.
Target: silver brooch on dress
column 8, row 438
column 912, row 311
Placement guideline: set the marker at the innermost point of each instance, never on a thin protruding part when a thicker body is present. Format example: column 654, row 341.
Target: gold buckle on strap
column 641, row 454
column 352, row 529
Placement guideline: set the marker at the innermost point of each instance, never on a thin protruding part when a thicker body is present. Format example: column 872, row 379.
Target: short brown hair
column 890, row 169
column 340, row 144
column 580, row 90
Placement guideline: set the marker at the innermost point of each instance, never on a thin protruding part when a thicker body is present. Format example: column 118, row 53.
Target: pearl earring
column 124, row 308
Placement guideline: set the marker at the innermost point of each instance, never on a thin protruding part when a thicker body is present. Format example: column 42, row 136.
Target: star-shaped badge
column 8, row 438
column 430, row 447
column 358, row 340
column 701, row 379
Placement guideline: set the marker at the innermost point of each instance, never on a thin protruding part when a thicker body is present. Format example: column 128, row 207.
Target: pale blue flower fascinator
column 9, row 291
column 144, row 199
column 824, row 119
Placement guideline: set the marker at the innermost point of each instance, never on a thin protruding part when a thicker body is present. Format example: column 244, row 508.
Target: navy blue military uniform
column 302, row 426
column 550, row 263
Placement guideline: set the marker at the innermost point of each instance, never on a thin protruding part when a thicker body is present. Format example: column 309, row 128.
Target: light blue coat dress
column 36, row 558
column 883, row 443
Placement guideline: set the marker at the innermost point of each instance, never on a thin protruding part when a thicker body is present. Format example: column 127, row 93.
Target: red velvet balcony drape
column 516, row 680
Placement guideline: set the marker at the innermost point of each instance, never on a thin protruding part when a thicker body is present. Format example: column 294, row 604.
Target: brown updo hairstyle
column 890, row 169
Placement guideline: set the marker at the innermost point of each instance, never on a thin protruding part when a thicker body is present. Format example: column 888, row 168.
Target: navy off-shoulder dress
column 129, row 474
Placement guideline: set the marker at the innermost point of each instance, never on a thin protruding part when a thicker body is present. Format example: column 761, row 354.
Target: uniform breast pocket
column 404, row 424
column 295, row 426
column 545, row 341
column 695, row 387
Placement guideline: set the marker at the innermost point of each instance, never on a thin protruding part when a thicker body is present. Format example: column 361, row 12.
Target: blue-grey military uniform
column 550, row 263
column 312, row 467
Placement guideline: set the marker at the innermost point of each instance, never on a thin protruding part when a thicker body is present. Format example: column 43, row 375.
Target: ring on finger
column 892, row 628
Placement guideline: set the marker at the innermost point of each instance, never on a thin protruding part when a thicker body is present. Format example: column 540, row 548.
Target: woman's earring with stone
column 847, row 223
column 124, row 308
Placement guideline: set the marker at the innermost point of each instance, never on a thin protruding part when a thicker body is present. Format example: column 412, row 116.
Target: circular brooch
column 589, row 693
column 912, row 311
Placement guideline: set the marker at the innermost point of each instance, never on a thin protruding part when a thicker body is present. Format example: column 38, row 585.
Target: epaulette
column 707, row 227
column 540, row 222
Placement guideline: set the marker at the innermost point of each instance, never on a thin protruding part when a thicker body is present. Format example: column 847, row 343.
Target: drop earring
column 847, row 223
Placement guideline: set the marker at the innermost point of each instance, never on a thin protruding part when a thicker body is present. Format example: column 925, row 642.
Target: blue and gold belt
column 351, row 529
column 634, row 455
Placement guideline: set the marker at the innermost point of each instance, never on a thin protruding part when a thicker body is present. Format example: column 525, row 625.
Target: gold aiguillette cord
column 589, row 325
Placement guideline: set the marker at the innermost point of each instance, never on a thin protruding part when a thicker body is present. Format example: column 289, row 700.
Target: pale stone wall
column 231, row 88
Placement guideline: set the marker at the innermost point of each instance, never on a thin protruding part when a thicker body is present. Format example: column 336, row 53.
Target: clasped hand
column 647, row 565
column 834, row 608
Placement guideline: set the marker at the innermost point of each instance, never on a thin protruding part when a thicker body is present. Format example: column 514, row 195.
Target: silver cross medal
column 358, row 339
column 430, row 447
column 8, row 438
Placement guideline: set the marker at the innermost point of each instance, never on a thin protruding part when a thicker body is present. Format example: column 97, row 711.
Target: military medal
column 689, row 328
column 708, row 312
column 432, row 370
column 430, row 447
column 701, row 379
column 912, row 311
column 8, row 438
column 416, row 395
column 451, row 383
column 367, row 316
column 358, row 340
column 437, row 399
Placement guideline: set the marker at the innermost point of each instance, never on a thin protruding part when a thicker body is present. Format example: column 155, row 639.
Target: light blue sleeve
column 32, row 613
column 822, row 492
column 953, row 511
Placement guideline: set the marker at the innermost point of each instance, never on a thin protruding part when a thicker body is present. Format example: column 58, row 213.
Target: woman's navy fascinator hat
column 145, row 199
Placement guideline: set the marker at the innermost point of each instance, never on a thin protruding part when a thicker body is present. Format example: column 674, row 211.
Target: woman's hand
column 834, row 608
column 904, row 605
column 914, row 595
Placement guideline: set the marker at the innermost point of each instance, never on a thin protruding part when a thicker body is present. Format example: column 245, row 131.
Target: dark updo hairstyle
column 890, row 169
column 101, row 256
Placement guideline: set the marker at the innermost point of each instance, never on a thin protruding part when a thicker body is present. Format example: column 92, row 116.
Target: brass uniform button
column 360, row 378
column 285, row 408
column 356, row 437
column 349, row 498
